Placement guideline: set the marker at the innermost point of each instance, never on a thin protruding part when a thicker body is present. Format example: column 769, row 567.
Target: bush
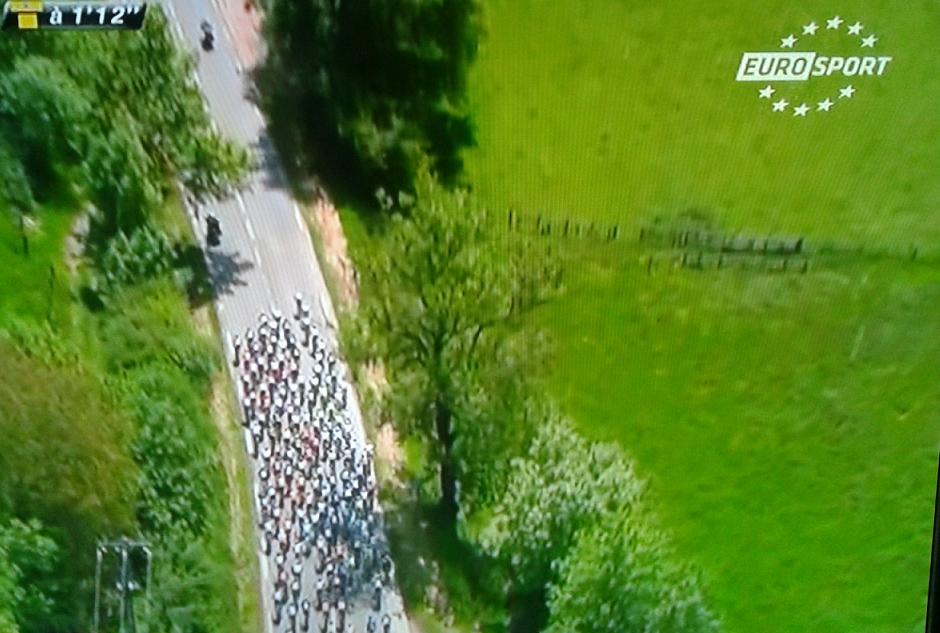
column 620, row 576
column 64, row 460
column 147, row 254
column 30, row 579
column 149, row 324
column 563, row 485
column 171, row 447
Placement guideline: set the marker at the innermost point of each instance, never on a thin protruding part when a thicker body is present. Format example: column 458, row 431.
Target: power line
column 126, row 585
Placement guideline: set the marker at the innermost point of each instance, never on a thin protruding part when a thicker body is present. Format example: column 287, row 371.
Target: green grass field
column 25, row 290
column 789, row 423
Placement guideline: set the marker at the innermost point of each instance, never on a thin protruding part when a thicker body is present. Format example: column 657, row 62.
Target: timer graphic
column 27, row 15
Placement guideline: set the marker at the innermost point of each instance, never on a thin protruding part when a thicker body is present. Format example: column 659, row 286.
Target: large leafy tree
column 620, row 576
column 145, row 83
column 563, row 484
column 382, row 81
column 42, row 118
column 442, row 302
column 147, row 126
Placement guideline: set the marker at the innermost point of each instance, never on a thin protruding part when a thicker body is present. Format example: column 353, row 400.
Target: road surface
column 266, row 254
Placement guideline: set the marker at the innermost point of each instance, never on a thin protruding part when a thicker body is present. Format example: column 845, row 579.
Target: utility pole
column 123, row 550
column 933, row 592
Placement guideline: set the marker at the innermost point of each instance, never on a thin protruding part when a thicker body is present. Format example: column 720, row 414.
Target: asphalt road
column 266, row 254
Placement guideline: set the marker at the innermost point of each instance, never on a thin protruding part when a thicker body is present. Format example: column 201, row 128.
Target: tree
column 29, row 580
column 148, row 125
column 380, row 81
column 120, row 177
column 8, row 589
column 443, row 296
column 43, row 116
column 563, row 485
column 17, row 191
column 619, row 576
column 176, row 467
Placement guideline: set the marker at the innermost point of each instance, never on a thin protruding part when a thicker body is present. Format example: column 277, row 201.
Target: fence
column 703, row 244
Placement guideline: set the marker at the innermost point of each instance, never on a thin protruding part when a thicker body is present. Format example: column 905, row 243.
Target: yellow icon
column 27, row 21
column 24, row 6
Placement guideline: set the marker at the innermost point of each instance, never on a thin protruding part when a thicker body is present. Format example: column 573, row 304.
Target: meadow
column 787, row 421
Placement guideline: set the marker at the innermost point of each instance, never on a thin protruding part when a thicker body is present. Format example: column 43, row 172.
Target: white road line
column 251, row 232
column 300, row 220
column 175, row 21
column 257, row 255
column 227, row 29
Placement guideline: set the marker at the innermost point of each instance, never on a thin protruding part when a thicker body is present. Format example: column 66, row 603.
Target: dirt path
column 336, row 252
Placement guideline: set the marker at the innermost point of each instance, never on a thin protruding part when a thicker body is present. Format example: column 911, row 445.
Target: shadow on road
column 266, row 161
column 226, row 270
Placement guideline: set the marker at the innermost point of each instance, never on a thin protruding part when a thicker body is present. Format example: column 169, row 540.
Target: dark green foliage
column 192, row 592
column 162, row 372
column 30, row 578
column 8, row 594
column 175, row 458
column 121, row 107
column 441, row 299
column 110, row 118
column 17, row 191
column 379, row 83
column 120, row 177
column 148, row 253
column 147, row 325
column 65, row 461
column 162, row 110
column 166, row 372
column 42, row 114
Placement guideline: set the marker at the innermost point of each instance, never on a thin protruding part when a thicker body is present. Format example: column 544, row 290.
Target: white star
column 810, row 29
column 825, row 105
column 847, row 92
column 766, row 93
column 780, row 106
column 788, row 41
column 834, row 22
column 869, row 42
column 856, row 28
column 801, row 110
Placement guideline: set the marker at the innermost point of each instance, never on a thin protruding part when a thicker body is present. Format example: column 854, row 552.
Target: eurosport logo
column 773, row 67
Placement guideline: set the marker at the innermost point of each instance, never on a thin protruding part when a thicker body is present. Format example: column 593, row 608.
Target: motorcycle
column 213, row 231
column 208, row 36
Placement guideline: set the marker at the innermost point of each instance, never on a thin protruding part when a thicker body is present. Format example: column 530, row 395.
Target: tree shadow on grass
column 421, row 540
